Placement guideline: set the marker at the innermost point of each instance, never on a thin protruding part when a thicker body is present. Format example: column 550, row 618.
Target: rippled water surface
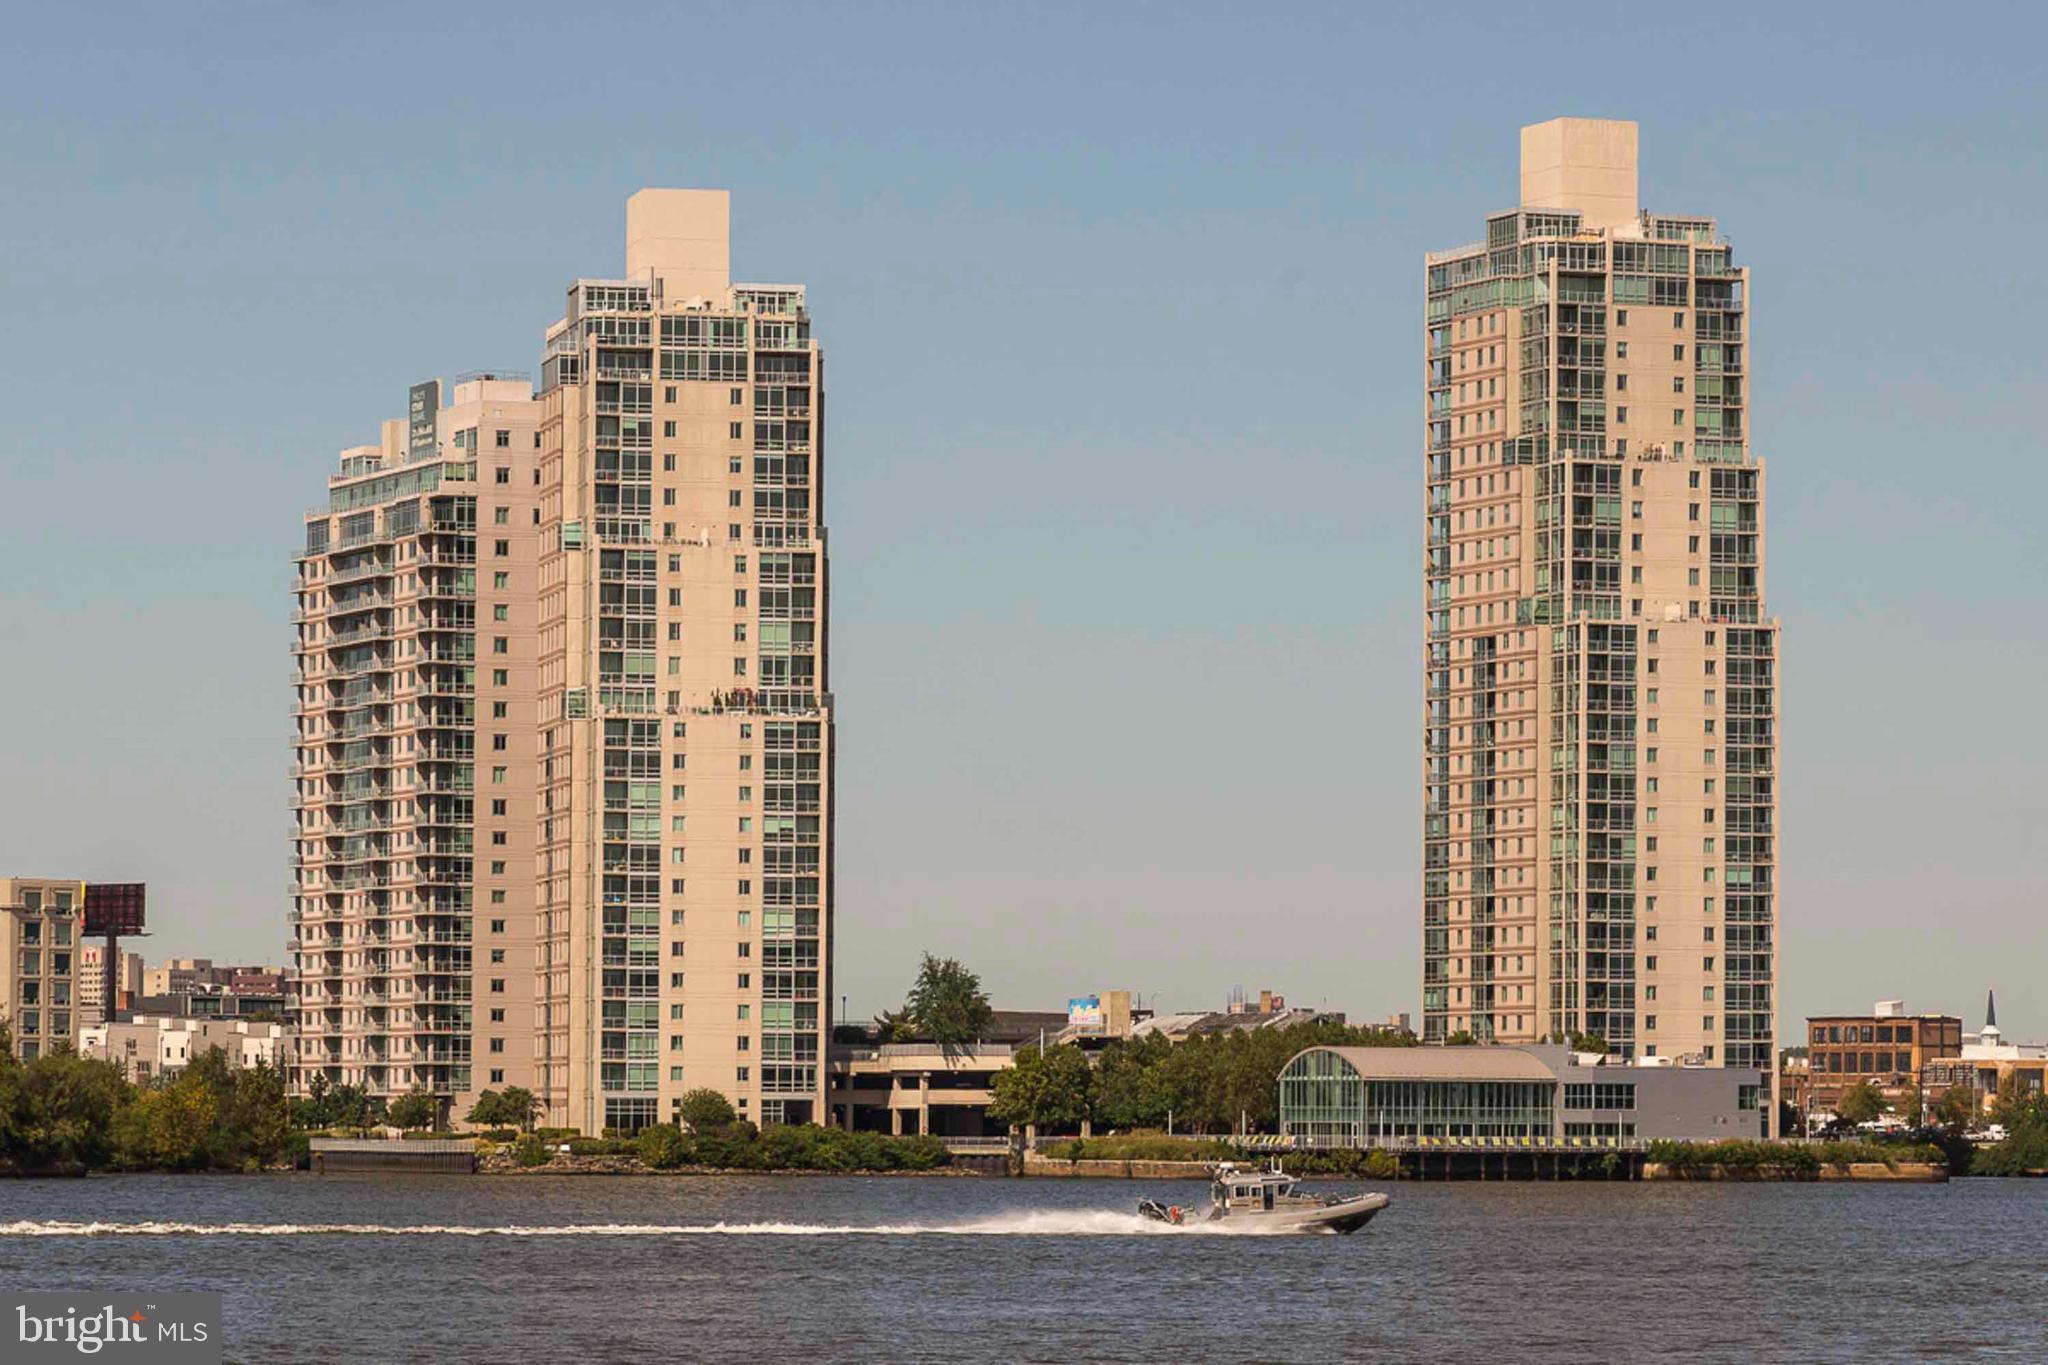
column 570, row 1269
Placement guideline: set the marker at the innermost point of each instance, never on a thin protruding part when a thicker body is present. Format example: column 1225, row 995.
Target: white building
column 149, row 1046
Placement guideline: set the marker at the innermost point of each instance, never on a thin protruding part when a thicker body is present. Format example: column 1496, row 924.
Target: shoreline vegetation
column 63, row 1114
column 734, row 1148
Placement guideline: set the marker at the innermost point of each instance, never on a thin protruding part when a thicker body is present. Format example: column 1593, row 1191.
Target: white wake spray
column 1031, row 1223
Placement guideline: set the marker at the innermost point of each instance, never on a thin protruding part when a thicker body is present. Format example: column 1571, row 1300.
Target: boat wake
column 1031, row 1223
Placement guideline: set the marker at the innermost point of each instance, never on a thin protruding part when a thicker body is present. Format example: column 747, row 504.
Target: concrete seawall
column 1906, row 1172
column 1034, row 1164
column 370, row 1154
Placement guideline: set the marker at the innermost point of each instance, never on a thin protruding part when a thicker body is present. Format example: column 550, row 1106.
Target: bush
column 1357, row 1163
column 664, row 1147
column 1140, row 1147
column 1797, row 1160
column 788, row 1147
column 531, row 1151
column 611, row 1146
column 2023, row 1151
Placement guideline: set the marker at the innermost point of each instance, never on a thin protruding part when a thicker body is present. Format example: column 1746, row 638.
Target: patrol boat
column 1251, row 1200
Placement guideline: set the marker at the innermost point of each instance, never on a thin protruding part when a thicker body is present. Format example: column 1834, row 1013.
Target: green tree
column 1177, row 1084
column 2018, row 1106
column 2024, row 1115
column 1588, row 1042
column 252, row 1117
column 512, row 1109
column 170, row 1125
column 1912, row 1107
column 518, row 1105
column 414, row 1109
column 351, row 1106
column 1957, row 1107
column 1124, row 1098
column 1050, row 1090
column 1860, row 1103
column 1462, row 1038
column 57, row 1111
column 706, row 1110
column 947, row 1004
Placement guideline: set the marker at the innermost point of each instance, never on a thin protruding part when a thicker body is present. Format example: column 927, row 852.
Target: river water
column 572, row 1269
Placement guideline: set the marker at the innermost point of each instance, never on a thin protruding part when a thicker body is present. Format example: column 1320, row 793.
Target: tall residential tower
column 413, row 789
column 1600, row 742
column 685, row 818
column 563, row 780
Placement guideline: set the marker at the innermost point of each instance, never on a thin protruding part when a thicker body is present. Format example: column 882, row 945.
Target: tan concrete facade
column 1600, row 735
column 41, row 927
column 685, row 727
column 413, row 790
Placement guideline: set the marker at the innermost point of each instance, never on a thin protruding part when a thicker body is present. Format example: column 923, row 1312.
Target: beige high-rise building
column 92, row 983
column 685, row 821
column 412, row 895
column 41, row 927
column 1600, row 676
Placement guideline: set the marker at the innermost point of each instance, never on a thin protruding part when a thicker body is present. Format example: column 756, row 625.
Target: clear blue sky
column 1123, row 309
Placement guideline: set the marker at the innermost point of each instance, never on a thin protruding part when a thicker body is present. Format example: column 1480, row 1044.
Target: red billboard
column 113, row 908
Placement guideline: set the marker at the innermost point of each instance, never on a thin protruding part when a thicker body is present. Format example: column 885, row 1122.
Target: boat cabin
column 1243, row 1191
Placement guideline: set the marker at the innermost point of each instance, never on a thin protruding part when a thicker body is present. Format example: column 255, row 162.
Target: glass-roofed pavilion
column 1382, row 1096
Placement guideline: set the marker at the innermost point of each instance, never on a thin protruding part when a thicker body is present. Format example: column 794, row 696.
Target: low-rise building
column 908, row 1088
column 151, row 1046
column 1986, row 1064
column 1887, row 1047
column 1795, row 1080
column 912, row 1088
column 39, row 962
column 188, row 975
column 1392, row 1097
column 212, row 1002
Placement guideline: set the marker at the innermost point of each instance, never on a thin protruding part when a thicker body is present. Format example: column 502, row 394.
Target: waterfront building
column 413, row 790
column 40, row 930
column 152, row 1046
column 684, row 712
column 92, row 982
column 1887, row 1047
column 1600, row 744
column 913, row 1088
column 1396, row 1096
column 1986, row 1064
